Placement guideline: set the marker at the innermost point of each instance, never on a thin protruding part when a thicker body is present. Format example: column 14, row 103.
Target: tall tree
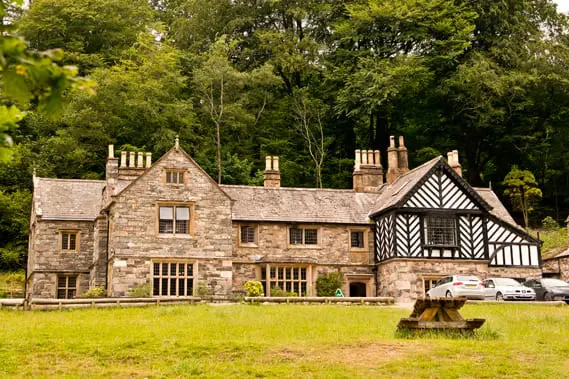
column 522, row 190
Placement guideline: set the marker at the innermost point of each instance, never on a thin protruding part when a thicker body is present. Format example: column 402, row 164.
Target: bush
column 278, row 292
column 141, row 290
column 327, row 284
column 203, row 290
column 15, row 280
column 95, row 292
column 549, row 223
column 254, row 288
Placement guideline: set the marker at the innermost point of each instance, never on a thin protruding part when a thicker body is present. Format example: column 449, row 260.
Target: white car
column 468, row 286
column 507, row 289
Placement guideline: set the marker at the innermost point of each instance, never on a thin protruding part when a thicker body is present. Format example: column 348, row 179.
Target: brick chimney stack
column 368, row 172
column 272, row 172
column 392, row 161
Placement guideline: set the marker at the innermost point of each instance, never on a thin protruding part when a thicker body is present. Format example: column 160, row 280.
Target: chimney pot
column 370, row 157
column 276, row 163
column 358, row 159
column 364, row 157
column 131, row 159
column 391, row 141
column 401, row 141
column 111, row 152
column 123, row 158
column 392, row 161
column 268, row 163
column 450, row 158
column 377, row 158
column 140, row 162
column 148, row 160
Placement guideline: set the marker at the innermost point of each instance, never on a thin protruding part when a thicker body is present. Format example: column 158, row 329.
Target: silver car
column 507, row 289
column 468, row 286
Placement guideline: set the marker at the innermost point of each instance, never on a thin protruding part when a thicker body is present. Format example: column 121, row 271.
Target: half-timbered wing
column 432, row 212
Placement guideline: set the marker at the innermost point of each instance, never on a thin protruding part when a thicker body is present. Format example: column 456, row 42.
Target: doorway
column 358, row 289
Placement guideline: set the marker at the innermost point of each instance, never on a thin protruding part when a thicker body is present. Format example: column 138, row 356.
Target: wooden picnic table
column 439, row 313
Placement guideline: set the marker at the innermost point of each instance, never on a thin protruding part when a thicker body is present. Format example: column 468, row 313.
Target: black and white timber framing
column 472, row 232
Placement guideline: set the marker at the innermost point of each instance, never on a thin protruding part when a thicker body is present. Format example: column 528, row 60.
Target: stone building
column 168, row 228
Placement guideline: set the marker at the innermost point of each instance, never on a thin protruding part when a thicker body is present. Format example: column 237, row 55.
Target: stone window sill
column 316, row 247
column 174, row 236
column 253, row 245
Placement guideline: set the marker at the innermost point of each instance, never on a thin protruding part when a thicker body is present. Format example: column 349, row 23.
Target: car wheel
column 547, row 297
column 499, row 296
column 448, row 294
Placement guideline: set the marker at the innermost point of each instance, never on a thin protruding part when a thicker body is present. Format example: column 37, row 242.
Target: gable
column 197, row 181
column 441, row 189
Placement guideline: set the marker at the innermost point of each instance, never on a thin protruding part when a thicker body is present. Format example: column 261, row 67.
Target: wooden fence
column 48, row 304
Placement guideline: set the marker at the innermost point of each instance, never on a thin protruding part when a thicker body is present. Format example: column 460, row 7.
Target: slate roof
column 68, row 199
column 498, row 208
column 300, row 204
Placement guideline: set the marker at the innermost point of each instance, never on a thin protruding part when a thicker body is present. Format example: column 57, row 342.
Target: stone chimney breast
column 368, row 173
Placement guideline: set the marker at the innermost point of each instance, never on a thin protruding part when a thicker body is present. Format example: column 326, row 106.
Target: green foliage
column 278, row 292
column 549, row 223
column 522, row 190
column 254, row 288
column 141, row 290
column 328, row 283
column 554, row 240
column 203, row 290
column 99, row 291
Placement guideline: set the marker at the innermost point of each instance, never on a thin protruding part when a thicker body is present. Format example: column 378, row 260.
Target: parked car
column 507, row 289
column 549, row 289
column 468, row 286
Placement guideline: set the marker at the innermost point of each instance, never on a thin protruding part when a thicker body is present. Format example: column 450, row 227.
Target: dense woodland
column 308, row 80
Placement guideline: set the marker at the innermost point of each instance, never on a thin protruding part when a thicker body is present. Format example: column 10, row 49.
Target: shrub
column 278, row 292
column 327, row 284
column 203, row 290
column 254, row 288
column 549, row 223
column 141, row 290
column 94, row 292
column 15, row 280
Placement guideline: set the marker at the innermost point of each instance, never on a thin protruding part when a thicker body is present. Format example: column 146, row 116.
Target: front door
column 358, row 289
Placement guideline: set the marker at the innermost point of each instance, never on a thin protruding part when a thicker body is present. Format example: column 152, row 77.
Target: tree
column 309, row 116
column 522, row 190
column 93, row 33
column 222, row 92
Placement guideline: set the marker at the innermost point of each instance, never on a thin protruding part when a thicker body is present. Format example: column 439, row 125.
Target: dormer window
column 175, row 176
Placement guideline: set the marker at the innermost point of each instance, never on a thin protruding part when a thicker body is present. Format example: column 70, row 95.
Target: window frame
column 66, row 288
column 267, row 280
column 174, row 205
column 255, row 228
column 303, row 228
column 365, row 239
column 177, row 172
column 426, row 229
column 168, row 276
column 77, row 240
column 432, row 279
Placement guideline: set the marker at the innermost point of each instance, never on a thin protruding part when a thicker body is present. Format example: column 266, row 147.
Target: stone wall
column 44, row 284
column 46, row 258
column 99, row 266
column 333, row 247
column 134, row 236
column 212, row 276
column 558, row 266
column 403, row 278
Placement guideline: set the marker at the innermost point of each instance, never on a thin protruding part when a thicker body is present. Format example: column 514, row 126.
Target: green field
column 280, row 340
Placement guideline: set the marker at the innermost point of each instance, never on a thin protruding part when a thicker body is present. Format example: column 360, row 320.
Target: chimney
column 392, row 161
column 402, row 158
column 368, row 173
column 132, row 165
column 112, row 167
column 272, row 172
column 452, row 158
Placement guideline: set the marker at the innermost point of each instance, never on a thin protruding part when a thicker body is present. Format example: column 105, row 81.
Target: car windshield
column 461, row 278
column 554, row 283
column 506, row 282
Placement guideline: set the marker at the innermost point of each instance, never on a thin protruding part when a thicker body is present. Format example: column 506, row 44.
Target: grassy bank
column 286, row 341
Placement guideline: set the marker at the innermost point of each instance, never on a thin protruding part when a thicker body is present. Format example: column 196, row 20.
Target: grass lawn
column 280, row 340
